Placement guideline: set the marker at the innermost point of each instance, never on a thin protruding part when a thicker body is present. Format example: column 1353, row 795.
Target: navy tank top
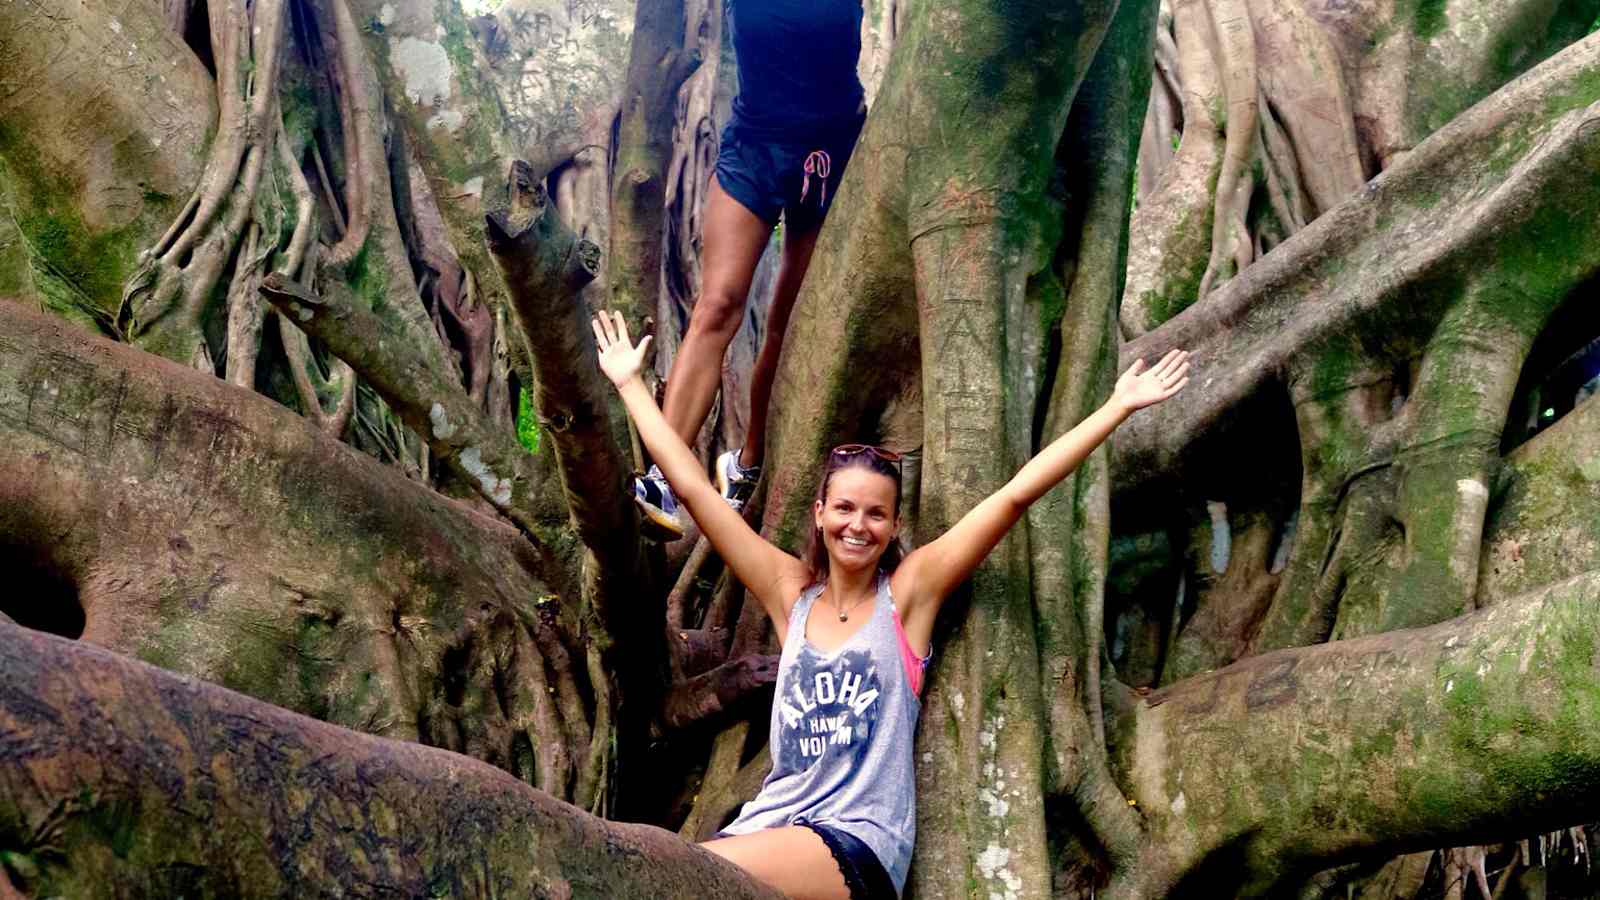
column 797, row 65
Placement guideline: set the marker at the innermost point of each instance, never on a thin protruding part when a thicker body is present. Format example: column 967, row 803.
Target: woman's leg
column 792, row 859
column 791, row 272
column 733, row 240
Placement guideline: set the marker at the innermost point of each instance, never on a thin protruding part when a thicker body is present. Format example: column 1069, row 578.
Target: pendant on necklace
column 844, row 617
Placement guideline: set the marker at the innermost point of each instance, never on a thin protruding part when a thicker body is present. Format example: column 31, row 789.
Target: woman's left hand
column 1140, row 387
column 620, row 360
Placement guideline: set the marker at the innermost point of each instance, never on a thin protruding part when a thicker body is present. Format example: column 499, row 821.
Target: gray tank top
column 843, row 725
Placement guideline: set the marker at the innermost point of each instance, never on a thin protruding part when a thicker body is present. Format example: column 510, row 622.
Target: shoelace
column 818, row 164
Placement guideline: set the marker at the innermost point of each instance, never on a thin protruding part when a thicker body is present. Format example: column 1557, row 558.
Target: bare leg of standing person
column 791, row 272
column 734, row 239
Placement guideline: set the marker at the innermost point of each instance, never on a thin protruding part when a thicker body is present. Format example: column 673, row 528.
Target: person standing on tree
column 836, row 818
column 795, row 122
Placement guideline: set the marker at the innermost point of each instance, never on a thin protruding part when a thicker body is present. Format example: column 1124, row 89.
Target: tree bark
column 1449, row 210
column 1459, row 732
column 86, row 186
column 116, row 777
column 661, row 57
column 406, row 365
column 212, row 532
column 1270, row 112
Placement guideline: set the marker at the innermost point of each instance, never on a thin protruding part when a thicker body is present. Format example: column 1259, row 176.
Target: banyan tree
column 323, row 576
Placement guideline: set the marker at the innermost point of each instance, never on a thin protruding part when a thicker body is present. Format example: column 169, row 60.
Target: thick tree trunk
column 661, row 56
column 119, row 779
column 87, row 185
column 972, row 236
column 166, row 515
column 1264, row 772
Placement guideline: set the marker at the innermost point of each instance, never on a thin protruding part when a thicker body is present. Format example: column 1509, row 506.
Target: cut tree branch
column 696, row 650
column 545, row 265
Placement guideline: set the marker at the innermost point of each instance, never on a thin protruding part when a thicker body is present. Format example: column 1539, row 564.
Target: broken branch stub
column 545, row 265
column 719, row 690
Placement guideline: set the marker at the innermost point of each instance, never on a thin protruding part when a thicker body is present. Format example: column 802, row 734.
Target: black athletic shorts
column 863, row 874
column 796, row 174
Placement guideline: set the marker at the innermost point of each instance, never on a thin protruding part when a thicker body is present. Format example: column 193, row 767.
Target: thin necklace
column 844, row 614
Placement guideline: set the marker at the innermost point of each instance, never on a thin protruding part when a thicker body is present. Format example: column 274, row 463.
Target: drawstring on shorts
column 817, row 163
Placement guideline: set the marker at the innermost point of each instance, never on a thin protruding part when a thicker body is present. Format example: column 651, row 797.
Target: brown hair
column 816, row 552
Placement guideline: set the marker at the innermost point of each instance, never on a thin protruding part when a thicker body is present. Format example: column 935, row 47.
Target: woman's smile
column 857, row 517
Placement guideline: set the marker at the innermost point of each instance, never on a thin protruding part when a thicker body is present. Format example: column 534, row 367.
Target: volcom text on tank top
column 843, row 726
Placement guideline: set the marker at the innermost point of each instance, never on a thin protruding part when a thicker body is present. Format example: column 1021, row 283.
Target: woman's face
column 857, row 518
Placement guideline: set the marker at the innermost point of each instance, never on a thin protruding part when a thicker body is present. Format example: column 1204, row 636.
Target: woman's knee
column 717, row 314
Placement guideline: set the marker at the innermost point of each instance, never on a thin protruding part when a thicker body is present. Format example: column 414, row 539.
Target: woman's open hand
column 1140, row 387
column 619, row 358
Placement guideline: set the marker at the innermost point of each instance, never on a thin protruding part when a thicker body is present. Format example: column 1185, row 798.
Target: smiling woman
column 836, row 817
column 857, row 514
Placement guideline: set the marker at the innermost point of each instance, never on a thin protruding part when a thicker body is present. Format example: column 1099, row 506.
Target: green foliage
column 527, row 423
column 1430, row 18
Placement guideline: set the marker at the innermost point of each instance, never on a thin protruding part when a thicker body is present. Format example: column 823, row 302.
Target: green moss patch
column 69, row 266
column 527, row 423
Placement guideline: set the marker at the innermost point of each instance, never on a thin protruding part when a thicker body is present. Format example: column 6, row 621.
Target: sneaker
column 736, row 483
column 659, row 507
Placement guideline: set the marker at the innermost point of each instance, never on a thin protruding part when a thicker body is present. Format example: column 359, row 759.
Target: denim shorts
column 796, row 174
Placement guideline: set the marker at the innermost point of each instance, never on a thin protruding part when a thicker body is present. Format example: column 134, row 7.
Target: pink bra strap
column 915, row 665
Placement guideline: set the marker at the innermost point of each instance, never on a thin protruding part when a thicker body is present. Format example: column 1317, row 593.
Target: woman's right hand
column 619, row 358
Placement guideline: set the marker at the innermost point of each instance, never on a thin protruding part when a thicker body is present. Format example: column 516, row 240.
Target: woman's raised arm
column 932, row 571
column 772, row 575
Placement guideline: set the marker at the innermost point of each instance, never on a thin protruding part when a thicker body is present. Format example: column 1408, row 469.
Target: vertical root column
column 164, row 301
column 1447, row 467
column 1346, row 492
column 1230, row 233
column 1259, row 82
column 987, row 687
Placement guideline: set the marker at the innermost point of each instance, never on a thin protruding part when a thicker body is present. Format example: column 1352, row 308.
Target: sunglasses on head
column 888, row 456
